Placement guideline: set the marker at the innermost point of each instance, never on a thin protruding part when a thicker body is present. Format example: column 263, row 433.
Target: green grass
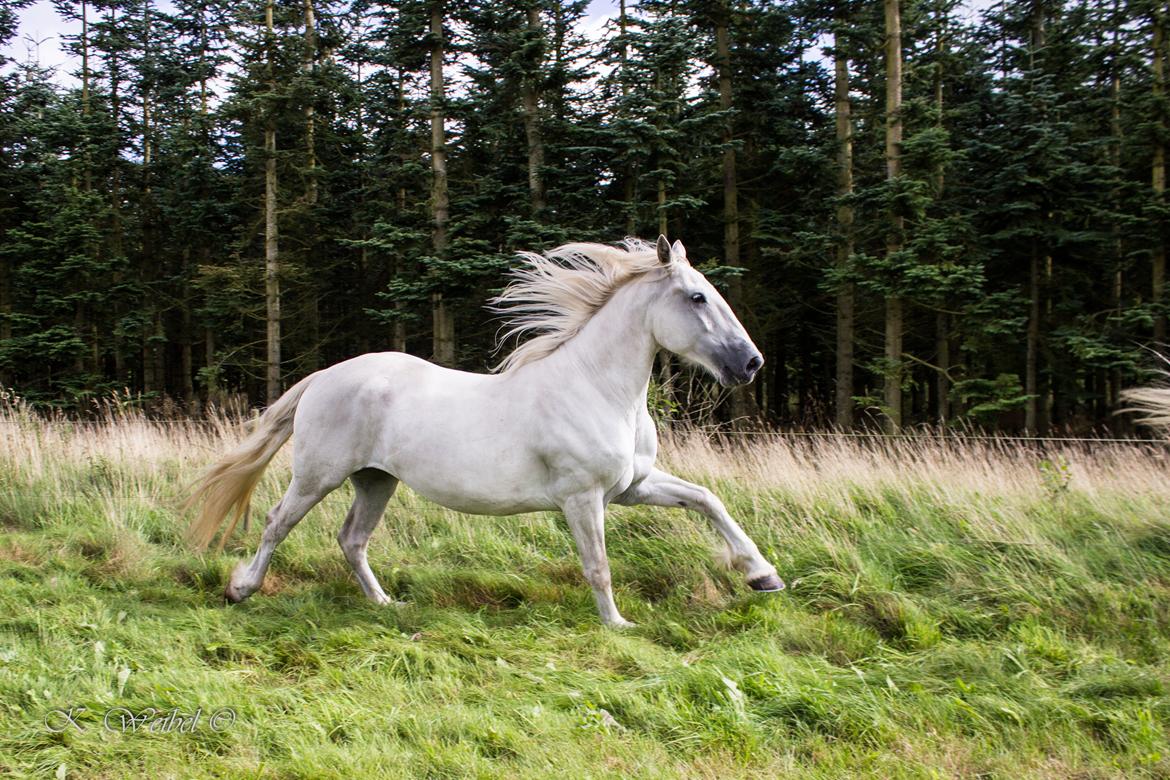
column 934, row 626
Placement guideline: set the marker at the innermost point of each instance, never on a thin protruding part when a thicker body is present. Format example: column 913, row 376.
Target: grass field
column 968, row 610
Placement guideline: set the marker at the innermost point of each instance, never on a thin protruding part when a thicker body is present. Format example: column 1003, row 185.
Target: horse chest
column 579, row 460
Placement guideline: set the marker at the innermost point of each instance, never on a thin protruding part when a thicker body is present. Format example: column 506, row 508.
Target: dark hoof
column 767, row 584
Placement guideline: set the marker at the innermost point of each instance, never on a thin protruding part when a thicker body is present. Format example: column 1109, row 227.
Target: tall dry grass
column 816, row 465
column 158, row 459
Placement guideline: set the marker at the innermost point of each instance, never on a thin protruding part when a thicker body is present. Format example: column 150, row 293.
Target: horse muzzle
column 739, row 365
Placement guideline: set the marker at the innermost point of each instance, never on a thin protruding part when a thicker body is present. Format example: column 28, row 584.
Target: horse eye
column 699, row 298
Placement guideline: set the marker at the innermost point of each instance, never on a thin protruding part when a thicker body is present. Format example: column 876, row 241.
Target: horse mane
column 552, row 295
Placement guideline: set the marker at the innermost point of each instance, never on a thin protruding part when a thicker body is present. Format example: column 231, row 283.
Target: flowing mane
column 552, row 295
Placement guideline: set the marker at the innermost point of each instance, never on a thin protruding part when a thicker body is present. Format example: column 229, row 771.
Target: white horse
column 562, row 424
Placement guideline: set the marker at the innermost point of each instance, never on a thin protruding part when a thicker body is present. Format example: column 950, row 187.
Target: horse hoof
column 382, row 600
column 769, row 583
column 233, row 595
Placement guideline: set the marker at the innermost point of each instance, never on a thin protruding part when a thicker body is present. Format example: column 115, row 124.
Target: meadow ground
column 954, row 610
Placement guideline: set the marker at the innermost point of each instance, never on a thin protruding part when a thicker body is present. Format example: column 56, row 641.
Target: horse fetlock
column 382, row 600
column 749, row 562
column 761, row 576
column 354, row 551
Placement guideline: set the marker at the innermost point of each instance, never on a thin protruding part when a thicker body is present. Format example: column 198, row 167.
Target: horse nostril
column 754, row 364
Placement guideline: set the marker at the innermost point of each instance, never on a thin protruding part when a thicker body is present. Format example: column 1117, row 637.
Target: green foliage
column 1057, row 475
column 131, row 222
column 985, row 399
column 663, row 406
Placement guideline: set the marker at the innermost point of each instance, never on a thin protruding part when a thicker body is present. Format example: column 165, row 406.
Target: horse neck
column 615, row 349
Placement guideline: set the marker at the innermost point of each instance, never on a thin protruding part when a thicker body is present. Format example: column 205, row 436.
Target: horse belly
column 493, row 484
column 469, row 461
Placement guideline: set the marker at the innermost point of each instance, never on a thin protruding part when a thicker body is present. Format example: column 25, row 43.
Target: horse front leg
column 585, row 514
column 662, row 489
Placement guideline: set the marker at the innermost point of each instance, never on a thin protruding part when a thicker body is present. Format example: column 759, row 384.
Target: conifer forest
column 924, row 211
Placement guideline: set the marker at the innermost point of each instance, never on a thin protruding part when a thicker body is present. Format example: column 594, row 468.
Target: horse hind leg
column 372, row 491
column 296, row 502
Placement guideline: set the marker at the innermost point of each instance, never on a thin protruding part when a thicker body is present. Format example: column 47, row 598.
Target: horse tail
column 226, row 488
column 1153, row 403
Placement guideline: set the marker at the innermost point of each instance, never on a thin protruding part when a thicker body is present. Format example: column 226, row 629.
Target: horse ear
column 663, row 247
column 679, row 250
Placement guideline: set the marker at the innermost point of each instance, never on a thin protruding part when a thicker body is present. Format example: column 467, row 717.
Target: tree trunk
column 271, row 245
column 1039, row 269
column 85, row 93
column 942, row 330
column 116, row 234
column 398, row 334
column 847, row 290
column 154, row 372
column 1032, row 360
column 895, row 328
column 312, row 305
column 742, row 399
column 147, row 139
column 5, row 314
column 730, row 188
column 1113, row 386
column 894, row 307
column 661, row 200
column 630, row 196
column 1158, row 175
column 186, row 358
column 442, row 318
column 154, row 353
column 630, row 182
column 309, row 66
column 778, row 386
column 942, row 322
column 660, row 165
column 408, row 153
column 211, row 391
column 530, row 98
